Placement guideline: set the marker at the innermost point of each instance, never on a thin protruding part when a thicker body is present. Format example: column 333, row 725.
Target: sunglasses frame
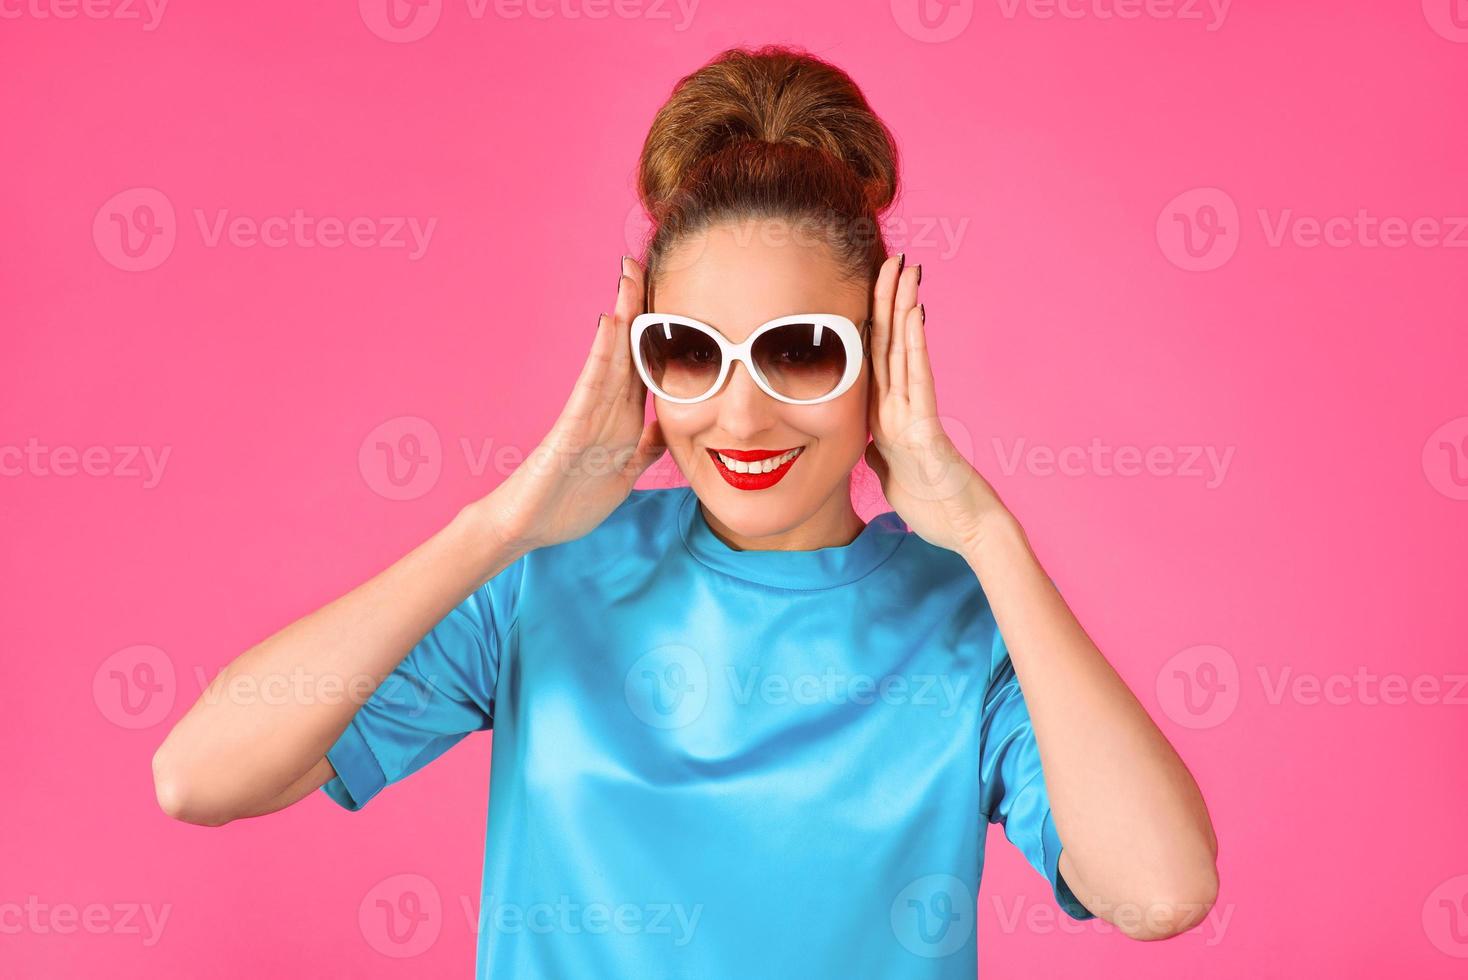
column 853, row 337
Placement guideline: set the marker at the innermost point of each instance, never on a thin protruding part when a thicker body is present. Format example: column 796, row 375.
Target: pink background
column 1067, row 157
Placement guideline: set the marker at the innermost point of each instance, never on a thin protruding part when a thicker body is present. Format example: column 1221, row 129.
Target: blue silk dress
column 711, row 763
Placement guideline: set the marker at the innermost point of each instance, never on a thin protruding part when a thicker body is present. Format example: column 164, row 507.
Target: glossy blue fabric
column 712, row 763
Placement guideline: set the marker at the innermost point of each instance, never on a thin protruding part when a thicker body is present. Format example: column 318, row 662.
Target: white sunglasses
column 793, row 359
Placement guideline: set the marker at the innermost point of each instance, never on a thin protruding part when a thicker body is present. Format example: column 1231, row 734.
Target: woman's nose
column 744, row 408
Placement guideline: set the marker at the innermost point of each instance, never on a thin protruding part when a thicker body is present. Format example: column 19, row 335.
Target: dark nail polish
column 920, row 275
column 923, row 313
column 901, row 261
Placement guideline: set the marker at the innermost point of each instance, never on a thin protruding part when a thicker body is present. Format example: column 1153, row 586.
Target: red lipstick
column 753, row 481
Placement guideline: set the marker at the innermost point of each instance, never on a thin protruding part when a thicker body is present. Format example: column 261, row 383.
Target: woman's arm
column 249, row 755
column 1139, row 848
column 255, row 741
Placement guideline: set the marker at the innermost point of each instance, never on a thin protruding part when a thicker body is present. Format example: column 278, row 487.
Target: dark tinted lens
column 682, row 361
column 801, row 360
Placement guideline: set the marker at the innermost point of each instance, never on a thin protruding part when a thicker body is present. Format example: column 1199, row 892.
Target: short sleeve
column 1012, row 786
column 441, row 691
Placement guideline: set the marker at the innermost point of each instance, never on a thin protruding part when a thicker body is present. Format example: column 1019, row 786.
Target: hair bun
column 769, row 95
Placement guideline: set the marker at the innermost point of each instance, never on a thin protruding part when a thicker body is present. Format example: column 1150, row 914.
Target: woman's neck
column 836, row 524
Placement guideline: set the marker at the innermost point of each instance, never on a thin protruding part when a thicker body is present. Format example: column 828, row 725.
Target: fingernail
column 920, row 274
column 923, row 313
column 901, row 261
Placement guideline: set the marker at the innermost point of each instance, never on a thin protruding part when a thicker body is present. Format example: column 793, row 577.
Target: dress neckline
column 811, row 570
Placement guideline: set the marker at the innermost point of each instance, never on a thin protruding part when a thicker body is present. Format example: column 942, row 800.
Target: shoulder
column 941, row 582
column 645, row 513
column 641, row 524
column 933, row 569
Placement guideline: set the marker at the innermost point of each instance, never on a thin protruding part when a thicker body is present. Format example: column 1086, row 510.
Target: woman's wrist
column 489, row 535
column 996, row 530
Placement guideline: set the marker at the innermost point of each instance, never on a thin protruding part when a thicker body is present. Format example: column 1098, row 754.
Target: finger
column 920, row 393
column 885, row 291
column 897, row 358
column 631, row 268
column 588, row 391
column 630, row 293
column 624, row 308
column 638, row 281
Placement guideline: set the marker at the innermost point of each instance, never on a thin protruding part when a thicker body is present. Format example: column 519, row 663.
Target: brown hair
column 771, row 132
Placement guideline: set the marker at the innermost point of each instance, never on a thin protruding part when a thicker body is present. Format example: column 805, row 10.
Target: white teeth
column 763, row 466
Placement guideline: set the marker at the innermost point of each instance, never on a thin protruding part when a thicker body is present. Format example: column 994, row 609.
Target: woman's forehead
column 735, row 283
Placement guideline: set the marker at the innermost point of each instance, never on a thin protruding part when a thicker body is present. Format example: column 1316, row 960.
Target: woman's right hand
column 588, row 462
column 235, row 756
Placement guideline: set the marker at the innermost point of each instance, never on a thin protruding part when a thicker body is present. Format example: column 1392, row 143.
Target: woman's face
column 735, row 277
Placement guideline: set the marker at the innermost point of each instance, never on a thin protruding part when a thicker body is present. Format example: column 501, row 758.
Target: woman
column 739, row 732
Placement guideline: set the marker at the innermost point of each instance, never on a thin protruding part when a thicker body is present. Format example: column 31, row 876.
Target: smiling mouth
column 755, row 462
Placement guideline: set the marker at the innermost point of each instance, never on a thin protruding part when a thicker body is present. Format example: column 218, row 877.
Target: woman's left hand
column 927, row 481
